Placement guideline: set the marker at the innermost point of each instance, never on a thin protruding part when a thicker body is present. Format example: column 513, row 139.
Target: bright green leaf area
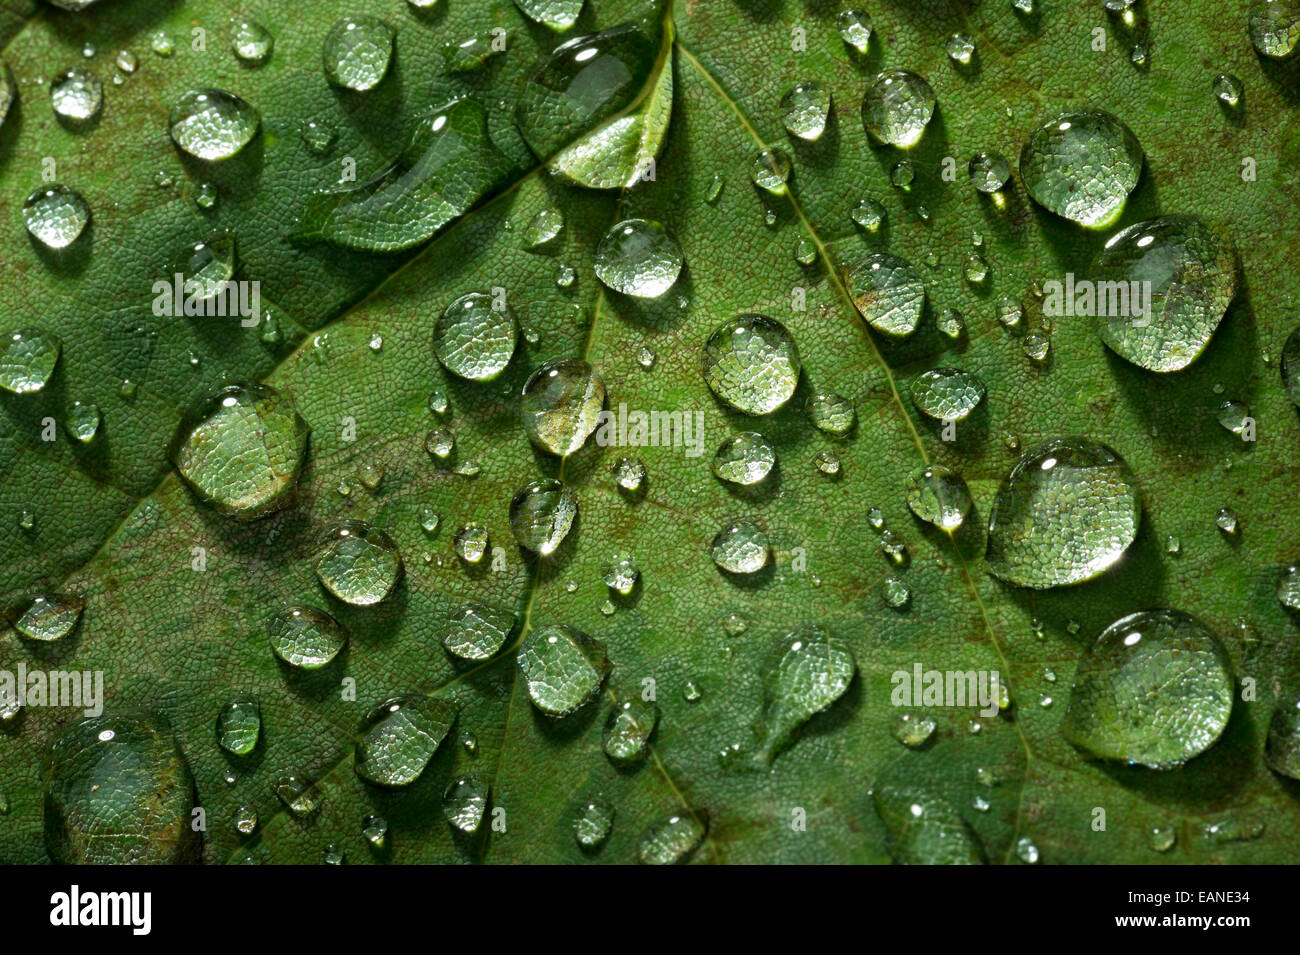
column 113, row 523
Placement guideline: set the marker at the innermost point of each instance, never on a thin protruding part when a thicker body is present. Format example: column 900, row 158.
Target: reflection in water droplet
column 50, row 617
column 77, row 96
column 745, row 459
column 400, row 737
column 357, row 562
column 1082, row 166
column 56, row 216
column 897, row 108
column 541, row 515
column 638, row 258
column 305, row 637
column 563, row 668
column 804, row 110
column 561, row 404
column 357, row 52
column 740, row 548
column 814, row 670
column 888, row 292
column 673, row 840
column 211, row 124
column 476, row 336
column 752, row 364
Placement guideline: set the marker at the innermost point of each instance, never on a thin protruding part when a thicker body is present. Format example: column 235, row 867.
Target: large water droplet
column 1155, row 690
column 745, row 459
column 400, row 737
column 1275, row 28
column 947, row 394
column 563, row 668
column 465, row 802
column 752, row 364
column 923, row 828
column 1082, row 166
column 357, row 52
column 938, row 496
column 889, row 293
column 357, row 562
column 897, row 108
column 77, row 96
column 211, row 124
column 1189, row 273
column 561, row 405
column 475, row 631
column 474, row 338
column 1282, row 747
column 541, row 515
column 672, row 841
column 814, row 670
column 49, row 617
column 56, row 216
column 305, row 637
column 559, row 15
column 242, row 450
column 1067, row 512
column 989, row 171
column 638, row 258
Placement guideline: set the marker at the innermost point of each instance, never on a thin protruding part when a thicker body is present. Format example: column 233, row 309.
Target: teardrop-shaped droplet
column 832, row 413
column 939, row 497
column 869, row 214
column 960, row 48
column 745, row 459
column 77, row 96
column 1154, row 690
column 49, row 617
column 357, row 52
column 889, row 293
column 770, row 171
column 252, row 42
column 27, row 360
column 471, row 543
column 1082, row 166
column 592, row 823
column 305, row 637
column 545, row 226
column 475, row 631
column 117, row 791
column 563, row 668
column 211, row 124
column 628, row 729
column 239, row 727
column 741, row 548
column 638, row 258
column 375, row 830
column 357, row 562
column 1275, row 28
column 541, row 515
column 989, row 171
column 561, row 405
column 1227, row 89
column 923, row 828
column 476, row 337
column 1068, row 511
column 672, row 840
column 558, row 15
column 855, row 28
column 242, row 450
column 400, row 737
column 804, row 110
column 208, row 267
column 752, row 364
column 1170, row 281
column 56, row 216
column 465, row 802
column 897, row 108
column 814, row 670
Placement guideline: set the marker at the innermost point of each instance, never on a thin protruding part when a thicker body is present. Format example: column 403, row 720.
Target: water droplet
column 1274, row 28
column 475, row 631
column 745, row 459
column 305, row 637
column 1226, row 520
column 357, row 562
column 471, row 543
column 242, row 450
column 1036, row 346
column 740, row 548
column 1026, row 851
column 318, row 136
column 1154, row 690
column 672, row 841
column 465, row 802
column 357, row 52
column 828, row 462
column 804, row 110
column 545, row 226
column 1228, row 89
column 208, row 267
column 939, row 496
column 161, row 44
column 989, row 172
column 1161, row 838
column 628, row 730
column 1234, row 415
column 770, row 170
column 1288, row 588
column 889, row 293
column 638, row 258
column 77, row 96
column 913, row 729
column 1082, row 166
column 8, row 91
column 1191, row 274
column 977, row 268
column 205, row 196
column 56, row 216
column 541, row 515
column 27, row 360
column 951, row 322
column 855, row 28
column 475, row 339
column 239, row 727
column 960, row 48
column 715, row 189
column 813, row 671
column 563, row 668
column 947, row 394
column 1282, row 747
column 561, row 404
column 211, row 124
column 558, row 15
column 245, row 820
column 592, row 824
column 1068, row 511
column 831, row 413
column 126, row 61
column 50, row 617
column 629, row 474
column 805, row 250
column 896, row 592
column 752, row 364
column 117, row 791
column 621, row 574
column 400, row 737
column 251, row 41
column 923, row 828
column 869, row 214
column 375, row 830
column 897, row 108
column 440, row 443
column 300, row 797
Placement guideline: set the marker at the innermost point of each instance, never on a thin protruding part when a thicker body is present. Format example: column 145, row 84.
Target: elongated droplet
column 628, row 730
column 561, row 404
column 211, row 124
column 563, row 668
column 814, row 670
column 592, row 824
column 465, row 802
column 400, row 737
column 541, row 515
column 239, row 727
column 672, row 840
column 50, row 617
column 923, row 828
column 939, row 496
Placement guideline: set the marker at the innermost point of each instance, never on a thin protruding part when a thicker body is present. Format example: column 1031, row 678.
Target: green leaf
column 477, row 763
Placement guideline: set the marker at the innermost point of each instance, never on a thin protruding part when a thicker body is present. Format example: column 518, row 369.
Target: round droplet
column 752, row 364
column 465, row 802
column 897, row 593
column 251, row 41
column 804, row 110
column 1228, row 89
column 27, row 360
column 1154, row 690
column 50, row 617
column 745, row 459
column 960, row 48
column 1234, row 415
column 1275, row 28
column 855, row 28
column 476, row 336
column 629, row 474
column 814, row 670
column 897, row 108
column 770, row 170
column 939, row 497
column 56, row 216
column 400, row 737
column 357, row 563
column 889, row 293
column 638, row 258
column 621, row 574
column 561, row 405
column 563, row 668
column 541, row 515
column 211, row 124
column 989, row 172
column 1068, row 511
column 77, row 96
column 628, row 729
column 1082, row 166
column 242, row 450
column 475, row 631
column 869, row 214
column 1180, row 276
column 117, row 791
column 913, row 729
column 208, row 267
column 239, row 727
column 471, row 543
column 305, row 637
column 832, row 413
column 740, row 548
column 672, row 841
column 828, row 462
column 922, row 828
column 357, row 52
column 592, row 824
